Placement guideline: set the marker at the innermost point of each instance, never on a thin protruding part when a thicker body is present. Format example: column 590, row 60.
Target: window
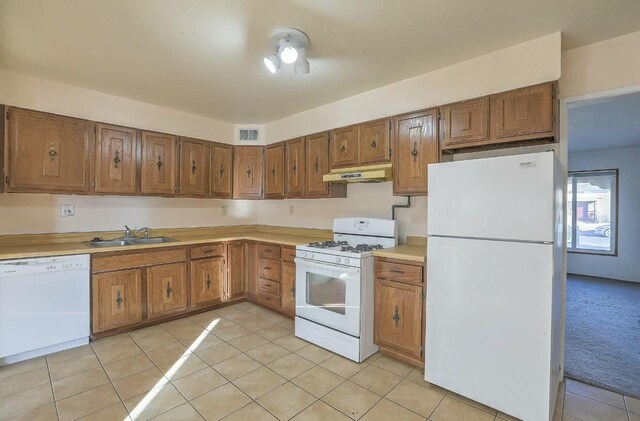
column 592, row 198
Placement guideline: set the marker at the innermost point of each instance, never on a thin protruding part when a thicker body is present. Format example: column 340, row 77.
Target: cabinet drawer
column 268, row 286
column 288, row 254
column 399, row 272
column 133, row 260
column 268, row 251
column 269, row 269
column 268, row 300
column 210, row 250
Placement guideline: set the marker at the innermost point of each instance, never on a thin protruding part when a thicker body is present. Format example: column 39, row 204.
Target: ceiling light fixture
column 290, row 46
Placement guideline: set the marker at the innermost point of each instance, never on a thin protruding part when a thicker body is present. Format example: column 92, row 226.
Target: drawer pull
column 208, row 251
column 169, row 290
column 397, row 271
column 293, row 290
column 267, row 268
column 208, row 281
column 396, row 317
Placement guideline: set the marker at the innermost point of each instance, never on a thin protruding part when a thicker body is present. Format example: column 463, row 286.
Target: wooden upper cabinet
column 207, row 281
column 274, row 171
column 194, row 167
column 116, row 299
column 159, row 163
column 343, row 147
column 236, row 278
column 166, row 289
column 373, row 142
column 465, row 122
column 415, row 147
column 116, row 157
column 294, row 168
column 221, row 171
column 398, row 317
column 523, row 114
column 317, row 158
column 247, row 172
column 48, row 153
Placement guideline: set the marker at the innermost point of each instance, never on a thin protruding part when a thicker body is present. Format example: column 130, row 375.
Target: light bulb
column 289, row 54
column 272, row 63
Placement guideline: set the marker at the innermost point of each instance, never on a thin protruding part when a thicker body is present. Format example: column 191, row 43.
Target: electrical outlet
column 224, row 210
column 290, row 209
column 67, row 210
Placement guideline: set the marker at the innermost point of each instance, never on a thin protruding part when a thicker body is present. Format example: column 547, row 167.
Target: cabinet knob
column 414, row 152
column 116, row 159
column 193, row 167
column 118, row 299
column 169, row 290
column 159, row 164
column 221, row 169
column 396, row 317
column 273, row 170
column 316, row 164
column 293, row 290
column 374, row 144
column 52, row 152
column 249, row 172
column 208, row 281
column 343, row 148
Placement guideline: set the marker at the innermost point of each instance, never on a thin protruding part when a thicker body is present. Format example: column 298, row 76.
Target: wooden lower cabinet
column 166, row 289
column 288, row 289
column 251, row 250
column 399, row 325
column 116, row 299
column 236, row 278
column 207, row 281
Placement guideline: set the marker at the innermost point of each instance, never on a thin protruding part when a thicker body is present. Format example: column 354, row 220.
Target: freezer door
column 510, row 197
column 488, row 317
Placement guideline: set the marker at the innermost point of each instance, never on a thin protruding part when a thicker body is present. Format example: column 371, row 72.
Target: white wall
column 625, row 265
column 525, row 64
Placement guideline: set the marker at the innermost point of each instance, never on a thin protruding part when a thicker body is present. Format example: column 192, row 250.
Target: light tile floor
column 243, row 363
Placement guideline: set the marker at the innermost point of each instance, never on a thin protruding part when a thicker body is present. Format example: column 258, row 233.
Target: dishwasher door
column 44, row 306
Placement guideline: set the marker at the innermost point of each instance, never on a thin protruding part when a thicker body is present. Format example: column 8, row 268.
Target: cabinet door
column 343, row 147
column 294, row 168
column 236, row 278
column 398, row 316
column 373, row 142
column 48, row 153
column 207, row 281
column 115, row 166
column 159, row 163
column 466, row 122
column 523, row 113
column 194, row 167
column 416, row 146
column 166, row 289
column 252, row 274
column 288, row 289
column 117, row 299
column 247, row 172
column 317, row 158
column 221, row 171
column 274, row 175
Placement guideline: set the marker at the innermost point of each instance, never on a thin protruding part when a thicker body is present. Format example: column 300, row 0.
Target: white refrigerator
column 494, row 311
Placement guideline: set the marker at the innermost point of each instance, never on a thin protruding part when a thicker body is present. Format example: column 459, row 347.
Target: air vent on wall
column 248, row 135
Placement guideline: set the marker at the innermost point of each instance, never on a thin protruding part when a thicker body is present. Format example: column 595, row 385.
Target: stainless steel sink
column 121, row 242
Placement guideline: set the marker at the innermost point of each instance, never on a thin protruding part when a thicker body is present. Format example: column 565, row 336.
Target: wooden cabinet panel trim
column 207, row 281
column 268, row 300
column 466, row 121
column 288, row 254
column 288, row 288
column 132, row 260
column 268, row 286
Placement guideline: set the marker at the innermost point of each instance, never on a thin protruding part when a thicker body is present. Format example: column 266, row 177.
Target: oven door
column 329, row 295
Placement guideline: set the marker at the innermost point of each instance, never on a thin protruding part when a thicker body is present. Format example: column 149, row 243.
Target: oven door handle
column 308, row 263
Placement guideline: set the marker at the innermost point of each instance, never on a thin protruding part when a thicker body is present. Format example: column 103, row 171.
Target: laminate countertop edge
column 414, row 253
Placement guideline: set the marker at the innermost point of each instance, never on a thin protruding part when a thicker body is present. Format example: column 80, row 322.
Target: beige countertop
column 416, row 253
column 41, row 245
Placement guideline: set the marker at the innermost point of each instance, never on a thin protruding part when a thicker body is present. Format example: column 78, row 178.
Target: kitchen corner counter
column 416, row 253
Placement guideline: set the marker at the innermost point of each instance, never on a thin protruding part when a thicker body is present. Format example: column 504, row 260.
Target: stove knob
column 338, row 259
column 346, row 261
column 310, row 255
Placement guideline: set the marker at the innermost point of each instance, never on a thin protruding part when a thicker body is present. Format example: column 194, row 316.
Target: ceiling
column 604, row 123
column 205, row 56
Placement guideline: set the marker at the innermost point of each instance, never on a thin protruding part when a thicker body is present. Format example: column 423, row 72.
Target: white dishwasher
column 44, row 306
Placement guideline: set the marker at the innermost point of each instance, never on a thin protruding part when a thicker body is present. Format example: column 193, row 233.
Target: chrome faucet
column 127, row 232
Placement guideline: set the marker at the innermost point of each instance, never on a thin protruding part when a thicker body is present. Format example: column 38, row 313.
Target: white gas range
column 334, row 286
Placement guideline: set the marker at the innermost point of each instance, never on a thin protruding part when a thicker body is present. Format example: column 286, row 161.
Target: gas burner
column 361, row 248
column 328, row 244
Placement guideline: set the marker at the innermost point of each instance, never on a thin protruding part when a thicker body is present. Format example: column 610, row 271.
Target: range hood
column 364, row 174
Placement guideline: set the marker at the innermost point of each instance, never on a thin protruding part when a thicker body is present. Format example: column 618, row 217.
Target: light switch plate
column 67, row 210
